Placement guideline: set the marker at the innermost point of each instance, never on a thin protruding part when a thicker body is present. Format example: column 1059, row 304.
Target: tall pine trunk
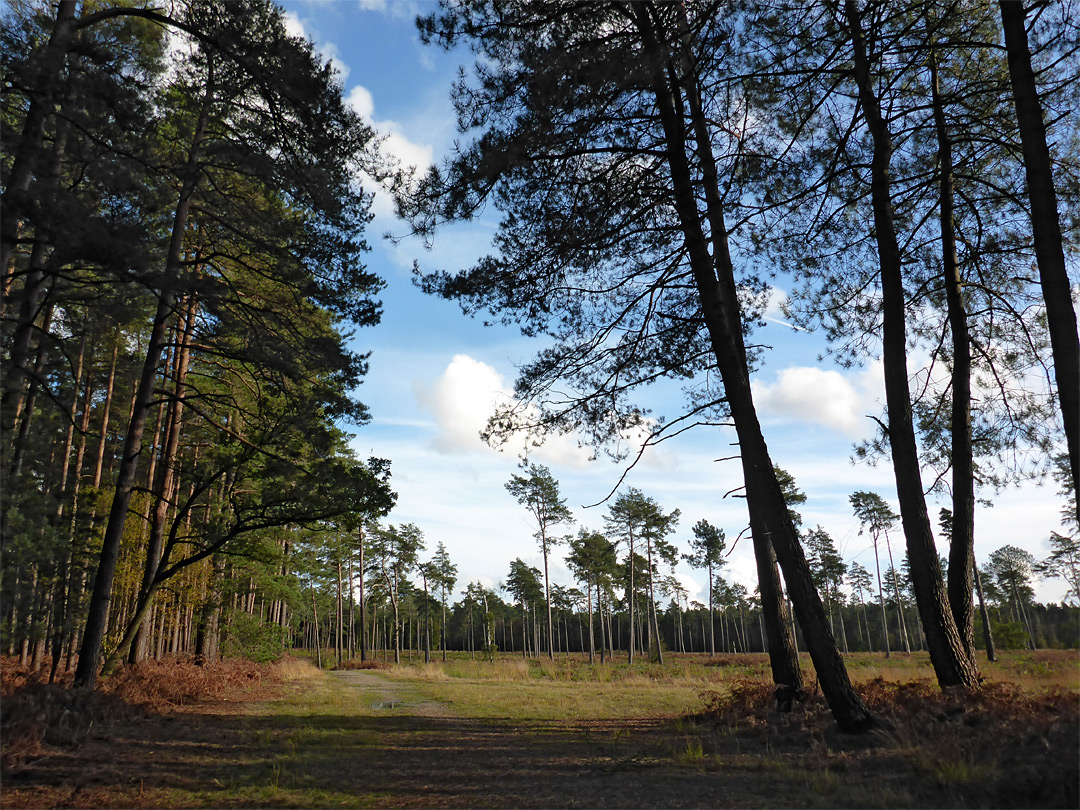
column 952, row 665
column 165, row 478
column 47, row 84
column 962, row 547
column 97, row 612
column 768, row 513
column 783, row 655
column 1046, row 230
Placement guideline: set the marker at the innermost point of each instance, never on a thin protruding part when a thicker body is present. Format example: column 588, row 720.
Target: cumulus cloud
column 463, row 398
column 331, row 53
column 360, row 99
column 819, row 396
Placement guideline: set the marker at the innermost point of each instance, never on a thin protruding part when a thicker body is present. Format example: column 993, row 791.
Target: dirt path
column 390, row 694
column 428, row 756
column 366, row 739
column 361, row 739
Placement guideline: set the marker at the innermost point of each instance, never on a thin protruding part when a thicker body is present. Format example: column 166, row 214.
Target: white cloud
column 360, row 99
column 395, row 145
column 411, row 155
column 819, row 396
column 775, row 302
column 293, row 26
column 465, row 396
column 461, row 400
column 331, row 53
column 398, row 9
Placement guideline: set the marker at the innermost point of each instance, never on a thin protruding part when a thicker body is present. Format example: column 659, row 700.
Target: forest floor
column 413, row 737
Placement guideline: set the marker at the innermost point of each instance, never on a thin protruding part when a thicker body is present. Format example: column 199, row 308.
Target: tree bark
column 47, row 83
column 901, row 625
column 654, row 627
column 16, row 401
column 547, row 595
column 165, row 478
column 97, row 612
column 962, row 547
column 1046, row 230
column 363, row 601
column 783, row 655
column 768, row 513
column 630, row 598
column 988, row 636
column 207, row 636
column 592, row 638
column 948, row 654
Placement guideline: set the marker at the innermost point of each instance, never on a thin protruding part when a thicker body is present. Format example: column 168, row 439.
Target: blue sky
column 435, row 373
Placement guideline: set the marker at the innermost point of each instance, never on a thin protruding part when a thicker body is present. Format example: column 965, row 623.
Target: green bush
column 1009, row 635
column 247, row 637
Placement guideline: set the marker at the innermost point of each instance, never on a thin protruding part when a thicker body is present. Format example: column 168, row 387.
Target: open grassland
column 513, row 688
column 697, row 732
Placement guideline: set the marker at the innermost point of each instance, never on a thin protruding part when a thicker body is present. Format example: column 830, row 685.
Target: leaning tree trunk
column 97, row 612
column 783, row 655
column 165, row 478
column 962, row 547
column 948, row 654
column 1046, row 230
column 769, row 517
column 988, row 636
column 15, row 401
column 901, row 624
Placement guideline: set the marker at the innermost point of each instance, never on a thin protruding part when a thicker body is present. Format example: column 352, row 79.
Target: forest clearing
column 700, row 732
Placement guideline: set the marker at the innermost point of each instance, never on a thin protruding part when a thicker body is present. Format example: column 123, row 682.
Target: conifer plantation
column 183, row 257
column 185, row 317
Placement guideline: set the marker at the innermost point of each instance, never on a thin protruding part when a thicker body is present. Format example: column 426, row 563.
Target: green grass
column 325, row 744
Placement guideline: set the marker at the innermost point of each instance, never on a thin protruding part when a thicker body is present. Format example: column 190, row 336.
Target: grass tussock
column 428, row 673
column 287, row 669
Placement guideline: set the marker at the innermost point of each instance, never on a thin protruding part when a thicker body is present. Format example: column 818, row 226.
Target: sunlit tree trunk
column 97, row 612
column 947, row 652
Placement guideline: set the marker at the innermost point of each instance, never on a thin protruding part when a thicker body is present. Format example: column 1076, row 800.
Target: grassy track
column 511, row 733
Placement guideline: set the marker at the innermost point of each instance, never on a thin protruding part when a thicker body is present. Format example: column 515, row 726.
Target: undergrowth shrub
column 165, row 684
column 742, row 701
column 356, row 663
column 998, row 745
column 34, row 715
column 39, row 714
column 247, row 637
